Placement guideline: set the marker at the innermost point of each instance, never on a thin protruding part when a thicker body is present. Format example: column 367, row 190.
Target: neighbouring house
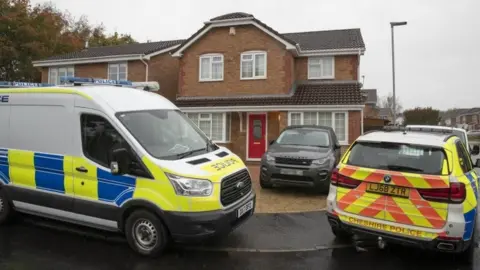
column 469, row 119
column 371, row 109
column 242, row 82
column 135, row 62
column 371, row 118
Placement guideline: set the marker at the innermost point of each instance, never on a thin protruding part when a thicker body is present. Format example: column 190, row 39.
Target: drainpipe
column 146, row 68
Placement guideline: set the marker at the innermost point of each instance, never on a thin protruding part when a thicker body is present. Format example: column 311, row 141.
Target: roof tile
column 305, row 94
column 126, row 49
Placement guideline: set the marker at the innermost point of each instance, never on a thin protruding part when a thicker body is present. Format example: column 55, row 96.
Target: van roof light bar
column 78, row 81
column 418, row 129
column 14, row 84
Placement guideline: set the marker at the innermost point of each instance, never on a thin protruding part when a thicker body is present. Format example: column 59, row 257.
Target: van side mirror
column 120, row 161
column 337, row 146
column 475, row 150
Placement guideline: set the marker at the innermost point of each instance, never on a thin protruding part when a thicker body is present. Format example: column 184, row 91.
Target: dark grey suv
column 301, row 156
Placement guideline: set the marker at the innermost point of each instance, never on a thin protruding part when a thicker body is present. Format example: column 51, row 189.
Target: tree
column 387, row 102
column 422, row 116
column 29, row 33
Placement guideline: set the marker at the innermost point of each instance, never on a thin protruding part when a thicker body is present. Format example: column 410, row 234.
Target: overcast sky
column 437, row 53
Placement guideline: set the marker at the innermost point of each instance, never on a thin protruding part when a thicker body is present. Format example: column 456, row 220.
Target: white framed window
column 215, row 125
column 336, row 120
column 55, row 73
column 253, row 65
column 321, row 67
column 117, row 71
column 211, row 67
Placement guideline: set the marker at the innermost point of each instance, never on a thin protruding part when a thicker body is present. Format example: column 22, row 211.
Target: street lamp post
column 392, row 25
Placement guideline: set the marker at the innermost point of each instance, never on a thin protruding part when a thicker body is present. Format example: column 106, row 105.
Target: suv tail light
column 343, row 181
column 456, row 193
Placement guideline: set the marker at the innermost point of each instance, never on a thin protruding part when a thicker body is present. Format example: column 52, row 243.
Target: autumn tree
column 29, row 33
column 421, row 116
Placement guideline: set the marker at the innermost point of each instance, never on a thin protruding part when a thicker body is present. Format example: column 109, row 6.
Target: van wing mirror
column 120, row 161
column 338, row 146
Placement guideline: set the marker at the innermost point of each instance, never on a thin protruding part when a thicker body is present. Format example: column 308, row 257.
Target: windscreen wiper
column 188, row 153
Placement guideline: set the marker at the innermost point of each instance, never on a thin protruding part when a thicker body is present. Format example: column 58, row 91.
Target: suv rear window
column 398, row 157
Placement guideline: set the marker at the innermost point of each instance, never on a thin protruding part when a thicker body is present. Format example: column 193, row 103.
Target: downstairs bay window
column 336, row 120
column 215, row 125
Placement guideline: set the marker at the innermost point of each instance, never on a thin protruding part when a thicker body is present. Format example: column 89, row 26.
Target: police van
column 107, row 155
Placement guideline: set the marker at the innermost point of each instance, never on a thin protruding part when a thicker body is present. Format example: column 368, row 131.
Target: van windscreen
column 398, row 157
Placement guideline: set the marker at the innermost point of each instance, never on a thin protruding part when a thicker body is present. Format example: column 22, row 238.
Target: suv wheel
column 5, row 208
column 146, row 233
column 265, row 184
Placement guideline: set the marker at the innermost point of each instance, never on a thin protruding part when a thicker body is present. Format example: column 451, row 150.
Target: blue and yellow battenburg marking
column 55, row 173
column 470, row 205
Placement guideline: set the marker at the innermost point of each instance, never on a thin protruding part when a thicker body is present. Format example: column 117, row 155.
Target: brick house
column 242, row 82
column 239, row 80
column 135, row 62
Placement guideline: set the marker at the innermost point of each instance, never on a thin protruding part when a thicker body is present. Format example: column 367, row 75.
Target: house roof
column 126, row 49
column 234, row 15
column 319, row 93
column 328, row 40
column 302, row 41
column 371, row 95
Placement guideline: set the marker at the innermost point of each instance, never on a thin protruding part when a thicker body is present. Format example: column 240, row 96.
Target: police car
column 407, row 186
column 117, row 158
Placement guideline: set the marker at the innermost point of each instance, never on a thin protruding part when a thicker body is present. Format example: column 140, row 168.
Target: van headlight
column 185, row 186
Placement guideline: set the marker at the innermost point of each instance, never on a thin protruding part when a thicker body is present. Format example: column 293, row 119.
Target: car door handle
column 82, row 169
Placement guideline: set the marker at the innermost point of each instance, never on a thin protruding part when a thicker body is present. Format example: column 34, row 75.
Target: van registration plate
column 388, row 190
column 244, row 209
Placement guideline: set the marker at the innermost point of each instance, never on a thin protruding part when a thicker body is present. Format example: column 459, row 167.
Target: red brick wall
column 370, row 111
column 247, row 38
column 163, row 68
column 346, row 67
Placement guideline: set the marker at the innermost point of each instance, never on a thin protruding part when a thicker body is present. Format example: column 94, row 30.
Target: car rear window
column 399, row 157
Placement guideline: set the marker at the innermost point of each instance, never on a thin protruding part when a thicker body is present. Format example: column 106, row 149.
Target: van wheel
column 146, row 233
column 265, row 184
column 6, row 210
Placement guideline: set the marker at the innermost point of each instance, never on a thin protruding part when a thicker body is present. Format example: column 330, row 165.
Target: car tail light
column 343, row 181
column 456, row 193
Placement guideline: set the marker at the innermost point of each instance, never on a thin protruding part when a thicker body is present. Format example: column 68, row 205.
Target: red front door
column 256, row 135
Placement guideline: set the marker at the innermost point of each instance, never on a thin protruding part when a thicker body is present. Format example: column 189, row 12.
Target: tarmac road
column 25, row 246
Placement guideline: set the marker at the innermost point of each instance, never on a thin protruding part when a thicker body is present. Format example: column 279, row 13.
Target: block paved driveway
column 284, row 199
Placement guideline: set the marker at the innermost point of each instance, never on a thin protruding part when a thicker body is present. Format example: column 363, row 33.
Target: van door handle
column 82, row 169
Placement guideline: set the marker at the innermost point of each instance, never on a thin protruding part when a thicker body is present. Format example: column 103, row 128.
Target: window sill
column 322, row 78
column 221, row 142
column 253, row 78
column 210, row 80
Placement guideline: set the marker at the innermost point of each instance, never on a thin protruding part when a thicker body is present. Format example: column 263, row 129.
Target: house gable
column 220, row 41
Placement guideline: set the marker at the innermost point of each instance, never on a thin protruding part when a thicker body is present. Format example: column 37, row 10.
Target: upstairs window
column 211, row 67
column 253, row 65
column 55, row 73
column 117, row 71
column 321, row 68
